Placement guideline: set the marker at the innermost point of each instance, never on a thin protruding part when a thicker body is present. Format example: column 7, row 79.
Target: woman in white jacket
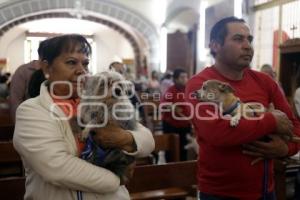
column 46, row 143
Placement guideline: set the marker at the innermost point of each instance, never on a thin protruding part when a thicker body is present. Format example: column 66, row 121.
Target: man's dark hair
column 65, row 43
column 177, row 73
column 219, row 30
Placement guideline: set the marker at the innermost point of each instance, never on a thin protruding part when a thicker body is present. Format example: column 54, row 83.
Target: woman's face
column 65, row 71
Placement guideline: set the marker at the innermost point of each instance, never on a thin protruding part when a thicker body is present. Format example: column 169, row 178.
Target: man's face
column 182, row 79
column 237, row 50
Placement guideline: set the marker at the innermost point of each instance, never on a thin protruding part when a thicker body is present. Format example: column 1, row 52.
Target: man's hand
column 284, row 125
column 275, row 148
column 113, row 136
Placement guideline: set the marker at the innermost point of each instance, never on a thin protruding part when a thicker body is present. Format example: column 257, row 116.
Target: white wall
column 15, row 53
column 12, row 48
column 111, row 46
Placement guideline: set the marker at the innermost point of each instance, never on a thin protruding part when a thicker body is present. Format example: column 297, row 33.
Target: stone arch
column 107, row 13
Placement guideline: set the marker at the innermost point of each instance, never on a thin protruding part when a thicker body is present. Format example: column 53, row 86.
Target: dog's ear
column 225, row 87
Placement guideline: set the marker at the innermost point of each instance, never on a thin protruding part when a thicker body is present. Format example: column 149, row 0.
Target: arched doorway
column 141, row 34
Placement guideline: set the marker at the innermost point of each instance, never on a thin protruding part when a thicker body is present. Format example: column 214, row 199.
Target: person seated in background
column 180, row 126
column 50, row 151
column 135, row 100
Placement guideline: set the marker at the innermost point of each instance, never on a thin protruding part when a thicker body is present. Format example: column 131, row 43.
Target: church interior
column 157, row 44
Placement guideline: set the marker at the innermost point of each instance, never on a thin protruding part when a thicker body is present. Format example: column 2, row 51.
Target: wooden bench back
column 8, row 153
column 170, row 143
column 6, row 132
column 10, row 161
column 5, row 118
column 154, row 177
column 12, row 188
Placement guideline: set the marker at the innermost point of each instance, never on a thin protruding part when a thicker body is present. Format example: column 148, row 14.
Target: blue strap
column 232, row 108
column 92, row 152
column 79, row 195
column 265, row 179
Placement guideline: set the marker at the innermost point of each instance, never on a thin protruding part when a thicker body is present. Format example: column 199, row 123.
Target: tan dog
column 222, row 94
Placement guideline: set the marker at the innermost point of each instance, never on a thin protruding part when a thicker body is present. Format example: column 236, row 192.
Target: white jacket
column 49, row 154
column 297, row 101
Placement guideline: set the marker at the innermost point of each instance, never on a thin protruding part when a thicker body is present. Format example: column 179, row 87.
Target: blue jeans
column 204, row 196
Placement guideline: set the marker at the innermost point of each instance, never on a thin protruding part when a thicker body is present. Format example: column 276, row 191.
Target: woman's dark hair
column 35, row 82
column 65, row 43
column 219, row 30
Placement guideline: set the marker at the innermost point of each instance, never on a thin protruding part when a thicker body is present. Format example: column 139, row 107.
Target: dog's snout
column 199, row 94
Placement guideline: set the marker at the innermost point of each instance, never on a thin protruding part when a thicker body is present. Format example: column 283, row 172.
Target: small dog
column 222, row 94
column 105, row 101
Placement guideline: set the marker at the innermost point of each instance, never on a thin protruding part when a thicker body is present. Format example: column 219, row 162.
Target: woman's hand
column 113, row 136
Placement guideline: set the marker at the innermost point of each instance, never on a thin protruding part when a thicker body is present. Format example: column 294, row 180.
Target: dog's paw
column 84, row 134
column 234, row 121
column 192, row 143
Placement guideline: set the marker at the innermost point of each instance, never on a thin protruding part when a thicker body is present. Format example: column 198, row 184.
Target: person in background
column 166, row 82
column 267, row 69
column 134, row 99
column 153, row 84
column 296, row 96
column 35, row 83
column 43, row 137
column 181, row 126
column 225, row 152
column 20, row 80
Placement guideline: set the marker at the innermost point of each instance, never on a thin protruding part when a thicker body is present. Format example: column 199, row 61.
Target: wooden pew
column 170, row 143
column 6, row 132
column 5, row 118
column 281, row 172
column 170, row 181
column 12, row 188
column 164, row 142
column 10, row 161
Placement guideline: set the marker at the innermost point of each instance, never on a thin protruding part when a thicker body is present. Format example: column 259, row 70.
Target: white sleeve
column 297, row 101
column 144, row 141
column 45, row 147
